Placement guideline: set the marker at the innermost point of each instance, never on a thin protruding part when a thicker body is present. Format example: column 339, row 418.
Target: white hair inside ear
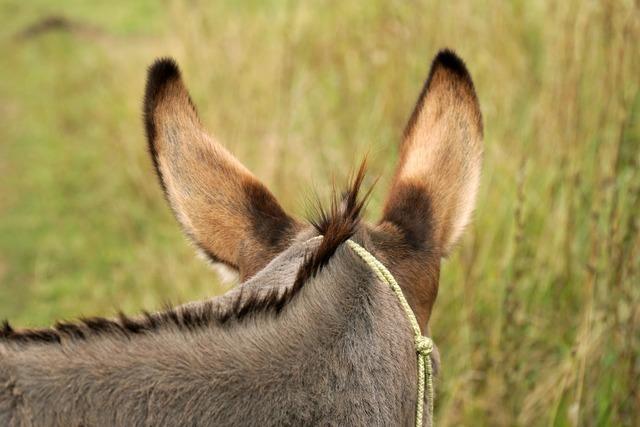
column 227, row 275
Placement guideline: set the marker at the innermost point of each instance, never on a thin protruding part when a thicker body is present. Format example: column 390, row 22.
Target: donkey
column 311, row 336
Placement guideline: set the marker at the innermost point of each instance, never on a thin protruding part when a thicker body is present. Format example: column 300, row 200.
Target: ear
column 434, row 189
column 228, row 214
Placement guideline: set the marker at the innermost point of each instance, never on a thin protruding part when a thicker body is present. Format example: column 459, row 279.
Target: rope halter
column 423, row 345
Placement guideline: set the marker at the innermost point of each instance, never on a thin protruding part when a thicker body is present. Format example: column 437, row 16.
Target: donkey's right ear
column 434, row 189
column 228, row 214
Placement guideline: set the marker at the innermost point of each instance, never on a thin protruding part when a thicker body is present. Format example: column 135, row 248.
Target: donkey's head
column 233, row 219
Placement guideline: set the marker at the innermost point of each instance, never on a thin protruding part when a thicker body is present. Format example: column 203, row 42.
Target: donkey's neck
column 325, row 356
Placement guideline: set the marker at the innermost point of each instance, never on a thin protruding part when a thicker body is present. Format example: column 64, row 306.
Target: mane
column 336, row 225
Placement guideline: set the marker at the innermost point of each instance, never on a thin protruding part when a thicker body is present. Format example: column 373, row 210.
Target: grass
column 538, row 316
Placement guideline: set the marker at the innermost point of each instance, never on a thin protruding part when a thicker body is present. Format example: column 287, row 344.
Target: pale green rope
column 423, row 345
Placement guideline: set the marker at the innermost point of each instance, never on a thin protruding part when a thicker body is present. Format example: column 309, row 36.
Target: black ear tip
column 163, row 69
column 161, row 72
column 450, row 61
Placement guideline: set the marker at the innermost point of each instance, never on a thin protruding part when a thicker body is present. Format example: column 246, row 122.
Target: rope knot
column 424, row 345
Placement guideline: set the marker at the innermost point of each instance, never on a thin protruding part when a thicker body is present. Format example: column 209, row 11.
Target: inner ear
column 221, row 206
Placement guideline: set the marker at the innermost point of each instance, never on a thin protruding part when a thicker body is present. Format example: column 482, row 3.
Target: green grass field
column 538, row 316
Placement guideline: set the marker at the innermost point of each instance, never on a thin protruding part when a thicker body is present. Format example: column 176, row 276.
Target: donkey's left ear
column 229, row 215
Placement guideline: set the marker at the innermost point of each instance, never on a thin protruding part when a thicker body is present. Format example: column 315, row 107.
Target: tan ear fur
column 221, row 206
column 434, row 189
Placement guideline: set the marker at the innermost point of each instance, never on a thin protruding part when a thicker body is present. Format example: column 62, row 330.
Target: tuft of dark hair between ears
column 336, row 225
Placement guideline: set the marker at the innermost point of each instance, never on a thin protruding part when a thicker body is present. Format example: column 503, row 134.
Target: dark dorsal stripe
column 337, row 224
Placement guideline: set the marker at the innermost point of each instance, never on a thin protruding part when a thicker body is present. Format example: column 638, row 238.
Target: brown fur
column 221, row 206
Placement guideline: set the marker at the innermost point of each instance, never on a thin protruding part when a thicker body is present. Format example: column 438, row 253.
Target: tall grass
column 538, row 316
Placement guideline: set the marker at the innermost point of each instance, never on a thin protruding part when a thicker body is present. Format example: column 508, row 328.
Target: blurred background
column 538, row 316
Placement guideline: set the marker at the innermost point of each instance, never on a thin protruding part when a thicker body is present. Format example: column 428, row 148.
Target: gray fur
column 340, row 353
